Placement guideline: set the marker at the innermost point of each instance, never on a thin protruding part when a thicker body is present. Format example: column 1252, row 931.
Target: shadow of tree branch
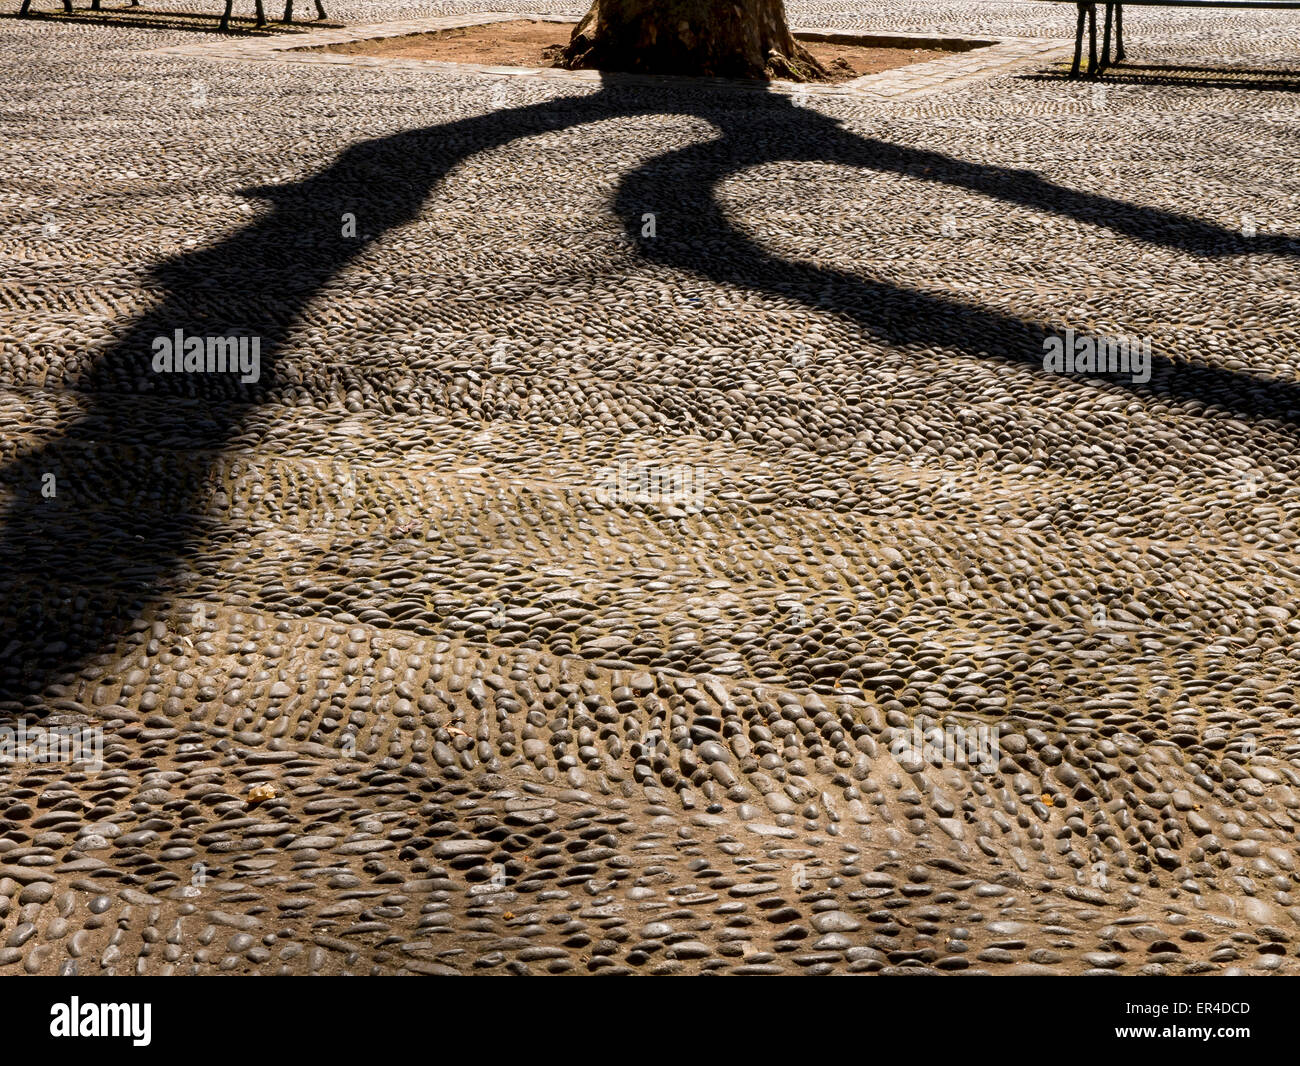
column 77, row 570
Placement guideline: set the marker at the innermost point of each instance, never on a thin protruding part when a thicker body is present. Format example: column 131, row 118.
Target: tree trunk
column 720, row 38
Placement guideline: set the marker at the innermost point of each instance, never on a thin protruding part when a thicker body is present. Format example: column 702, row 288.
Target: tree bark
column 718, row 38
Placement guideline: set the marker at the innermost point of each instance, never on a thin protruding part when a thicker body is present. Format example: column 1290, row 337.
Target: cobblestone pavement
column 563, row 598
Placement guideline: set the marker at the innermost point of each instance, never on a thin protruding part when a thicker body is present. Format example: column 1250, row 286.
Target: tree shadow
column 898, row 315
column 112, row 541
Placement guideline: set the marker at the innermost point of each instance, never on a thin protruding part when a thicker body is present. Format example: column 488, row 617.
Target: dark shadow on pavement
column 186, row 21
column 1276, row 81
column 76, row 570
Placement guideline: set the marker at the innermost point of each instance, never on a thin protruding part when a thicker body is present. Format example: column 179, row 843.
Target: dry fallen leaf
column 258, row 793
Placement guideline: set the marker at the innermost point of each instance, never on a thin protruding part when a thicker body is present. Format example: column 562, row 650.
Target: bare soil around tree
column 529, row 43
